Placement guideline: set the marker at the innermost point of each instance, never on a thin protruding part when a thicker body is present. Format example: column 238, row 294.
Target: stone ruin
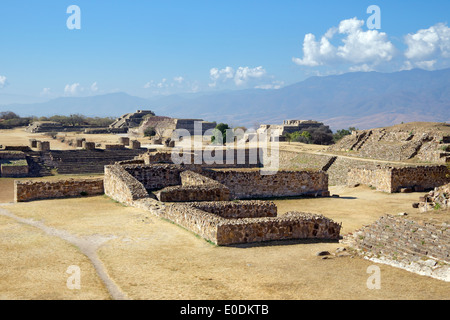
column 166, row 126
column 219, row 204
column 288, row 126
column 13, row 164
column 399, row 179
column 417, row 246
column 397, row 144
column 131, row 120
column 436, row 199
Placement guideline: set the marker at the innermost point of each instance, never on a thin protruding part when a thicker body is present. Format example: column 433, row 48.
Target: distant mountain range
column 360, row 99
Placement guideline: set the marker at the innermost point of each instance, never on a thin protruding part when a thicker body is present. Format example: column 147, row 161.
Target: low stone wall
column 224, row 232
column 379, row 178
column 428, row 177
column 122, row 186
column 114, row 147
column 290, row 226
column 156, row 157
column 221, row 222
column 193, row 193
column 197, row 221
column 423, row 248
column 194, row 187
column 37, row 190
column 12, row 155
column 17, row 148
column 391, row 179
column 231, row 158
column 245, row 184
column 239, row 209
column 14, row 170
column 156, row 176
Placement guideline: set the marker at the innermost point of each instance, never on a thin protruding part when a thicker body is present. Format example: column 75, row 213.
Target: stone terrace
column 222, row 222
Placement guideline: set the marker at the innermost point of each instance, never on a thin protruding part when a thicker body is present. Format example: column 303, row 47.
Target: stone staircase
column 87, row 161
column 37, row 166
column 329, row 164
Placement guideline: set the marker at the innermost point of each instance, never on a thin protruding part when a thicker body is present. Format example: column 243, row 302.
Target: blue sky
column 146, row 48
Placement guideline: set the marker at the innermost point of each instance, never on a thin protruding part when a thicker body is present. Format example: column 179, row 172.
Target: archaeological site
column 231, row 196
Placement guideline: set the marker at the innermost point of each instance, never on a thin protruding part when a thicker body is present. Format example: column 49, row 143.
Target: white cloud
column 363, row 68
column 361, row 46
column 427, row 45
column 244, row 74
column 45, row 92
column 3, row 81
column 241, row 76
column 162, row 84
column 358, row 46
column 149, row 84
column 223, row 74
column 94, row 87
column 178, row 79
column 315, row 53
column 72, row 89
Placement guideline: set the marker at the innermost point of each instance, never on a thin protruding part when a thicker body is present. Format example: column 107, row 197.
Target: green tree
column 149, row 132
column 221, row 130
column 342, row 133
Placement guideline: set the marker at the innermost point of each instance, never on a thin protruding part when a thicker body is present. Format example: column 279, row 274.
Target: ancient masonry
column 164, row 125
column 39, row 190
column 390, row 179
column 396, row 145
column 131, row 120
column 212, row 204
column 419, row 247
column 387, row 177
column 288, row 126
column 436, row 199
column 13, row 164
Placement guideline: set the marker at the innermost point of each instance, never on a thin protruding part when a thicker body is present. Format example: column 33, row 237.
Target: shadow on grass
column 277, row 243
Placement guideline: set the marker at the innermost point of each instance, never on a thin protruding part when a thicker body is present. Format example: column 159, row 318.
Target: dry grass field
column 139, row 256
column 19, row 137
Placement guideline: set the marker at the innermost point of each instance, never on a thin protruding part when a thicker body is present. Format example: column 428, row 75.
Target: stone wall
column 221, row 222
column 15, row 169
column 193, row 193
column 422, row 248
column 224, row 232
column 379, row 178
column 120, row 185
column 290, row 226
column 12, row 155
column 36, row 190
column 245, row 184
column 336, row 169
column 114, row 147
column 428, row 177
column 239, row 209
column 390, row 179
column 194, row 187
column 156, row 176
column 235, row 158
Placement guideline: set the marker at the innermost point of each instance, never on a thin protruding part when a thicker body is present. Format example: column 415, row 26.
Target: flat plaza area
column 126, row 253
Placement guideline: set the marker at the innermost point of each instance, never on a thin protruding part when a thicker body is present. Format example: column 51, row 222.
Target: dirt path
column 87, row 245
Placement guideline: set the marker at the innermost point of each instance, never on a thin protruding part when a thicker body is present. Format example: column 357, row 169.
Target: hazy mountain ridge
column 361, row 99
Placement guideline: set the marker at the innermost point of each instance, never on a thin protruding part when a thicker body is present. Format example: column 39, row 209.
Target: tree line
column 9, row 119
